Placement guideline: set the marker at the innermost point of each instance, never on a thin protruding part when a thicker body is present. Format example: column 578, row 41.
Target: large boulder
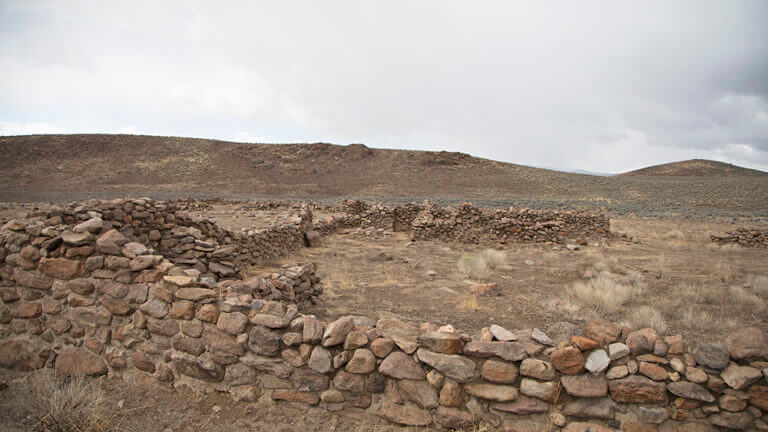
column 80, row 361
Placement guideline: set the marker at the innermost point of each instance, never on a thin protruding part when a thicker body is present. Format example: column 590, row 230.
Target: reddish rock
column 637, row 389
column 568, row 360
column 747, row 344
column 758, row 396
column 208, row 313
column 382, row 346
column 522, row 405
column 602, row 332
column 584, row 344
column 452, row 394
column 309, row 398
column 446, row 343
column 182, row 309
column 499, row 372
column 587, row 385
column 79, row 361
column 407, row 414
column 652, row 371
column 27, row 310
column 142, row 362
column 61, row 268
column 490, row 289
column 642, row 340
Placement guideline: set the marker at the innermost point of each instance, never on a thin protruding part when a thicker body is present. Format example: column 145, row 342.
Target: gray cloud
column 601, row 85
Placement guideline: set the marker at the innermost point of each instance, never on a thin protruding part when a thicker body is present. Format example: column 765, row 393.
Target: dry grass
column 673, row 235
column 469, row 302
column 758, row 284
column 493, row 258
column 473, row 267
column 648, row 316
column 57, row 403
column 604, row 294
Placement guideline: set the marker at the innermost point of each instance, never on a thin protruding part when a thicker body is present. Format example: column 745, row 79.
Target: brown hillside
column 81, row 166
column 697, row 167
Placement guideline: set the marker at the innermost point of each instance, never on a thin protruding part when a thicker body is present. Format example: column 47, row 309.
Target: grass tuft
column 604, row 293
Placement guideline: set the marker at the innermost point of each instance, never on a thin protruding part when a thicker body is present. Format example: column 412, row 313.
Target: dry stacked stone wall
column 744, row 237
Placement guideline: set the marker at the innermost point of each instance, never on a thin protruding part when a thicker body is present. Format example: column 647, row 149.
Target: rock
column 355, row 339
column 79, row 361
column 695, row 427
column 320, row 360
column 26, row 310
column 748, row 344
column 457, row 367
column 572, row 247
column 208, row 313
column 134, row 249
column 729, row 420
column 61, row 268
column 349, row 382
column 561, row 331
column 568, row 360
column 597, row 361
column 307, row 381
column 538, row 369
column 435, row 378
column 401, row 366
column 617, row 350
column 586, row 427
column 652, row 371
column 598, row 408
column 739, row 377
column 522, row 405
column 155, row 308
column 332, row 396
column 407, row 414
column 540, row 337
column 590, row 386
column 690, row 390
column 651, row 414
column 758, row 396
column 509, row 351
column 232, row 323
column 637, row 389
column 193, row 294
column 583, row 343
column 541, row 390
column 142, row 362
column 642, row 340
column 296, row 397
column 499, row 372
column 452, row 418
column 617, row 372
column 21, row 354
column 732, row 403
column 446, row 343
column 494, row 392
column 713, row 356
column 222, row 344
column 312, row 331
column 502, row 334
column 382, row 346
column 270, row 321
column 76, row 239
column 419, row 392
column 362, row 362
column 337, row 331
column 695, row 375
column 602, row 332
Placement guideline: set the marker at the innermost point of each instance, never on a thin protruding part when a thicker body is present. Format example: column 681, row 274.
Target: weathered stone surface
column 406, row 414
column 401, row 366
column 155, row 308
column 141, row 361
column 145, row 261
column 568, row 360
column 509, row 351
column 116, row 306
column 538, row 369
column 61, row 268
column 320, row 360
column 457, row 367
column 748, row 344
column 713, row 356
column 596, row 408
column 617, row 372
column 232, row 322
column 90, row 316
column 588, row 385
column 20, row 354
column 273, row 366
column 739, row 377
column 538, row 389
column 602, row 332
column 522, row 405
column 382, row 346
column 728, row 402
column 208, row 313
column 26, row 310
column 586, row 427
column 446, row 343
column 79, row 361
column 270, row 321
column 32, row 279
column 76, row 239
column 758, row 396
column 312, row 332
column 419, row 392
column 690, row 390
column 499, row 372
column 306, row 381
column 729, row 420
column 641, row 341
column 296, row 397
column 493, row 392
column 263, row 341
column 337, row 331
column 355, row 339
column 165, row 327
column 652, row 371
column 695, row 375
column 597, row 361
column 220, row 343
column 362, row 362
column 637, row 389
column 332, row 396
column 651, row 414
column 189, row 345
column 502, row 334
column 451, row 394
column 349, row 382
column 452, row 418
column 194, row 294
column 583, row 343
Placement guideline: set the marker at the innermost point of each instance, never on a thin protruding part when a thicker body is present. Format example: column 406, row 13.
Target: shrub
column 603, row 293
column 493, row 258
column 472, row 267
column 647, row 316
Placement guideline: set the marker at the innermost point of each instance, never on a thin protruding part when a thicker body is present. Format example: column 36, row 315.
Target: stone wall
column 470, row 224
column 744, row 237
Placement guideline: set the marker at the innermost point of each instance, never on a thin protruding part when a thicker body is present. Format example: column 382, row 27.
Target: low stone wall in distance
column 744, row 237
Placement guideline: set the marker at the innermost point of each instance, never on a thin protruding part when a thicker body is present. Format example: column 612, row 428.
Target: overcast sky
column 599, row 85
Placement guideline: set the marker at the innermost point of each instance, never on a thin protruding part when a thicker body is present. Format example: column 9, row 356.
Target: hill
column 65, row 167
column 697, row 167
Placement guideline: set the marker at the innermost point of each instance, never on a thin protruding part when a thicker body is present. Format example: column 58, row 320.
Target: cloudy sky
column 599, row 85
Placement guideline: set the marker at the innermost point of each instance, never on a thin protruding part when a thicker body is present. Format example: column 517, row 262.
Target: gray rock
column 457, row 367
column 320, row 360
column 595, row 408
column 690, row 390
column 540, row 337
column 597, row 361
column 617, row 350
column 713, row 356
column 502, row 334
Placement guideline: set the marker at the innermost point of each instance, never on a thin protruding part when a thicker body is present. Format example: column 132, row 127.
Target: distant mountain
column 697, row 168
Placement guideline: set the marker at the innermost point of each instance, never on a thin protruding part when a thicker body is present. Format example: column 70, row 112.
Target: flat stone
column 541, row 390
column 739, row 377
column 602, row 332
column 539, row 369
column 493, row 392
column 617, row 372
column 349, row 382
column 308, row 398
column 590, row 386
column 406, row 414
column 419, row 392
column 522, row 405
column 617, row 350
column 652, row 371
column 80, row 361
column 729, row 420
column 61, row 268
column 194, row 294
column 637, row 389
column 499, row 372
column 382, row 346
column 509, row 351
column 337, row 331
column 502, row 334
column 446, row 343
column 568, row 360
column 596, row 408
column 270, row 321
column 690, row 390
column 541, row 337
column 651, row 414
column 454, row 419
column 306, row 381
column 401, row 366
column 232, row 323
column 457, row 367
column 758, row 396
column 273, row 366
column 713, row 356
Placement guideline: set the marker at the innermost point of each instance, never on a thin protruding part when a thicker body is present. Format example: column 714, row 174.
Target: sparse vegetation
column 603, row 293
column 493, row 258
column 473, row 267
column 57, row 403
column 648, row 316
